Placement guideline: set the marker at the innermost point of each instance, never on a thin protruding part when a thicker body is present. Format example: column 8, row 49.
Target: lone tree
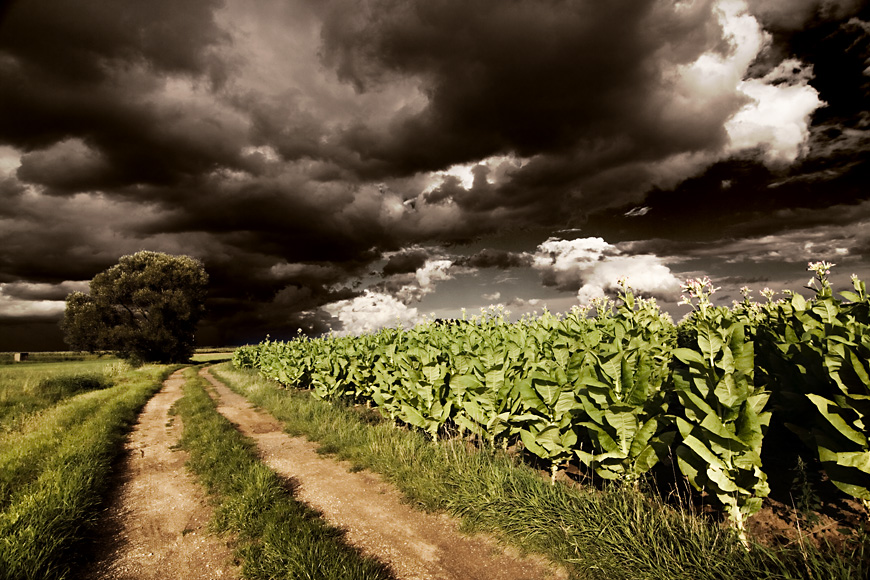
column 145, row 308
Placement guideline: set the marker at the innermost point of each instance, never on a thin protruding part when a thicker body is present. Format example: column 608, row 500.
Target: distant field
column 28, row 387
column 213, row 354
column 25, row 387
column 6, row 358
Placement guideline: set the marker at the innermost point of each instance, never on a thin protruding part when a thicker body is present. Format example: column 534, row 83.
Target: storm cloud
column 327, row 160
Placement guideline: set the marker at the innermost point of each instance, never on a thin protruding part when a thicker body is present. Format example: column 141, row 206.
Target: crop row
column 618, row 387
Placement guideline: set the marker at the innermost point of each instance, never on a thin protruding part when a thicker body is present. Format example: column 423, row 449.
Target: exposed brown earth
column 156, row 524
column 415, row 544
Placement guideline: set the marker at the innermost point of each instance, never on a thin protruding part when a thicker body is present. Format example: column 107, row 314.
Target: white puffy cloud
column 498, row 168
column 777, row 118
column 645, row 274
column 776, row 109
column 562, row 262
column 370, row 312
column 424, row 280
column 388, row 305
column 593, row 268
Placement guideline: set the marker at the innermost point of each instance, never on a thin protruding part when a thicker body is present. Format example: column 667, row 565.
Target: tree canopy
column 146, row 308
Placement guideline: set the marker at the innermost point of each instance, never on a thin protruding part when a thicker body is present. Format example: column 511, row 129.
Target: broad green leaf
column 625, row 425
column 798, row 302
column 566, row 403
column 530, row 397
column 546, row 388
column 466, row 383
column 412, row 416
column 690, row 357
column 650, row 455
column 643, row 435
column 702, row 451
column 858, row 459
column 837, row 421
column 851, row 296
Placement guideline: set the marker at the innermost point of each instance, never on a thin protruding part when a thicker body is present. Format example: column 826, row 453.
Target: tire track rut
column 155, row 526
column 417, row 545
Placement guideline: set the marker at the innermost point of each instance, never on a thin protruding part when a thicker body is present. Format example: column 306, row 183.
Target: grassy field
column 49, row 377
column 28, row 387
column 56, row 457
column 608, row 533
column 213, row 355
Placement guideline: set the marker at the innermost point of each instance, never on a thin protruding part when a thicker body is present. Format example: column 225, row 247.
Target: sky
column 341, row 165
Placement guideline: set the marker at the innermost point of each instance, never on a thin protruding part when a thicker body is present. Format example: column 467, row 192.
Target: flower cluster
column 699, row 289
column 821, row 270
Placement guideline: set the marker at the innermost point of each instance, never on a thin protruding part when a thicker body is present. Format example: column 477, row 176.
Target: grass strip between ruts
column 54, row 475
column 279, row 536
column 614, row 533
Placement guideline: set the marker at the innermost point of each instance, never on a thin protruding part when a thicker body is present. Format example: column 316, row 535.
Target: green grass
column 280, row 537
column 212, row 356
column 54, row 473
column 614, row 533
column 26, row 388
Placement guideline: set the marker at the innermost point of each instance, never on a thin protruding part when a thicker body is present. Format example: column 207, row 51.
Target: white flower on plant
column 700, row 289
column 821, row 269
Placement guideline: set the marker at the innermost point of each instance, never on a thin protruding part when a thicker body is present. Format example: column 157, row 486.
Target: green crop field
column 616, row 390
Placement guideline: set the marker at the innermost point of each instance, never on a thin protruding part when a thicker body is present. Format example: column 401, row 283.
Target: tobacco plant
column 614, row 391
column 818, row 358
column 722, row 419
column 620, row 371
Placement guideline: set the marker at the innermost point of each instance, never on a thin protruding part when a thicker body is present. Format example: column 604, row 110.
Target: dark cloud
column 502, row 259
column 80, row 40
column 585, row 88
column 793, row 15
column 82, row 85
column 296, row 146
column 406, row 262
column 10, row 191
column 515, row 76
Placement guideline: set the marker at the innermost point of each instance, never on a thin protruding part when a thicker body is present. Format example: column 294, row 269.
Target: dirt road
column 416, row 545
column 155, row 526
